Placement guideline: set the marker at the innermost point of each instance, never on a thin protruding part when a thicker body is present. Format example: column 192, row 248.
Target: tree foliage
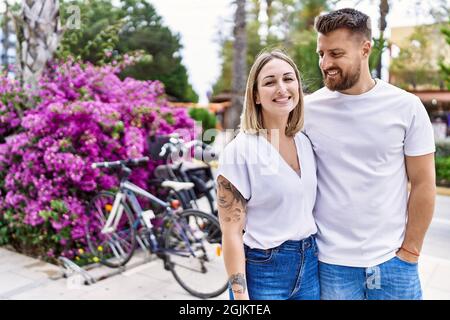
column 445, row 68
column 107, row 31
column 288, row 25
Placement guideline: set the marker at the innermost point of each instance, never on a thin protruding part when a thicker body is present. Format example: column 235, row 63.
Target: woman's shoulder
column 301, row 135
column 238, row 146
column 241, row 141
column 307, row 148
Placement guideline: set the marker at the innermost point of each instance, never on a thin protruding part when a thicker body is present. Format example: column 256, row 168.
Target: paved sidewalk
column 435, row 278
column 22, row 277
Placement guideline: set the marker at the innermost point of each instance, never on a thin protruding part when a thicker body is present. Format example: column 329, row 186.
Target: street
column 437, row 240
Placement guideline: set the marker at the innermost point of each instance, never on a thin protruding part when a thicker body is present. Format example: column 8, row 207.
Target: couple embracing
column 313, row 192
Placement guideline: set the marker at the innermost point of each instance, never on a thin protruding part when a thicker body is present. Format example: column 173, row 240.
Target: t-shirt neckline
column 297, row 148
column 364, row 95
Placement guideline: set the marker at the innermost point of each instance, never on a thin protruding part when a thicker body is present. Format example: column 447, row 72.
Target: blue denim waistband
column 298, row 244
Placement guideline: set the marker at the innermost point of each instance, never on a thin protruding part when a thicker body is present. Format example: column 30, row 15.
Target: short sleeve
column 233, row 167
column 419, row 139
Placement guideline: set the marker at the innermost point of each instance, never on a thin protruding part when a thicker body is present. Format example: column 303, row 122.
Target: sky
column 198, row 22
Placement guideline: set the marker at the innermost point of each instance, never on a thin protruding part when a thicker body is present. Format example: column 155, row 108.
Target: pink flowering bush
column 84, row 114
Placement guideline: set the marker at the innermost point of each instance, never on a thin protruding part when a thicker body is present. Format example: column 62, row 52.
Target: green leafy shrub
column 443, row 149
column 207, row 119
column 443, row 171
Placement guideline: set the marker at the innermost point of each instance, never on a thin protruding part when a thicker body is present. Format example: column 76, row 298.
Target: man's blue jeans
column 286, row 272
column 394, row 279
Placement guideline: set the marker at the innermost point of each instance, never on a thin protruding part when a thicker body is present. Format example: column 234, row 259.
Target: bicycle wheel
column 194, row 254
column 212, row 201
column 114, row 249
column 206, row 203
column 203, row 192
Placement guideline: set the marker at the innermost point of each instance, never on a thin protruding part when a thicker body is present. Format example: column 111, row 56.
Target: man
column 369, row 138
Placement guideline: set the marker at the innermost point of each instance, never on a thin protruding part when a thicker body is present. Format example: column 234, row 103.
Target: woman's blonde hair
column 251, row 117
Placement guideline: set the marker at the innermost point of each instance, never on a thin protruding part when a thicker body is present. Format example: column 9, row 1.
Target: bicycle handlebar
column 172, row 148
column 120, row 163
column 176, row 144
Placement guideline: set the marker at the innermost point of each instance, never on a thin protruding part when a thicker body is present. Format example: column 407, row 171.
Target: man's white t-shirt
column 360, row 143
column 279, row 200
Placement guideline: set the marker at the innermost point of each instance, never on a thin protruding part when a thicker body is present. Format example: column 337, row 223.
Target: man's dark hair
column 351, row 19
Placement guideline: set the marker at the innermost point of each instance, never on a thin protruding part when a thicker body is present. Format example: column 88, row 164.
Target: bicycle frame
column 127, row 194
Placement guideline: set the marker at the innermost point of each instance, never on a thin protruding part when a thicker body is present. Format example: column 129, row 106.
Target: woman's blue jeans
column 287, row 272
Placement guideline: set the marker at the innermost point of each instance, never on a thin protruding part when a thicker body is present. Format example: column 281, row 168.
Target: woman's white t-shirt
column 280, row 201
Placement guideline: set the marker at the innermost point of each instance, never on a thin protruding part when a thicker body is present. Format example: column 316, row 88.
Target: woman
column 267, row 187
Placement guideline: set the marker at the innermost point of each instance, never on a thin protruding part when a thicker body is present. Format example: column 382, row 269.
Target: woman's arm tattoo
column 238, row 283
column 230, row 199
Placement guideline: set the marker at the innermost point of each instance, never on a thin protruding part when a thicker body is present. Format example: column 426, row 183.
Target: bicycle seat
column 193, row 165
column 177, row 186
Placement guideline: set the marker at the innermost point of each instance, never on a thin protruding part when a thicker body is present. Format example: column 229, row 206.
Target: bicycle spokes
column 115, row 246
column 193, row 242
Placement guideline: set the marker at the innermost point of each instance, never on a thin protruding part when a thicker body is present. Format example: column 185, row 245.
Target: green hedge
column 208, row 120
column 443, row 148
column 443, row 171
column 443, row 163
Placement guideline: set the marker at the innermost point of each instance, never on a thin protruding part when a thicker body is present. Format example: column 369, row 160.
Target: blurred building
column 7, row 41
column 415, row 56
column 220, row 105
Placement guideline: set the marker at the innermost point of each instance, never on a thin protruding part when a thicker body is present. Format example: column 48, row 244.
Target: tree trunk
column 239, row 66
column 269, row 12
column 384, row 10
column 38, row 28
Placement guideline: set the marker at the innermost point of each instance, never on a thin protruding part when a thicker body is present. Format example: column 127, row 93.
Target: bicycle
column 173, row 150
column 186, row 240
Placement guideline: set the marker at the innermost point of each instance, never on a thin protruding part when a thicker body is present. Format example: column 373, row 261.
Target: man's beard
column 344, row 81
